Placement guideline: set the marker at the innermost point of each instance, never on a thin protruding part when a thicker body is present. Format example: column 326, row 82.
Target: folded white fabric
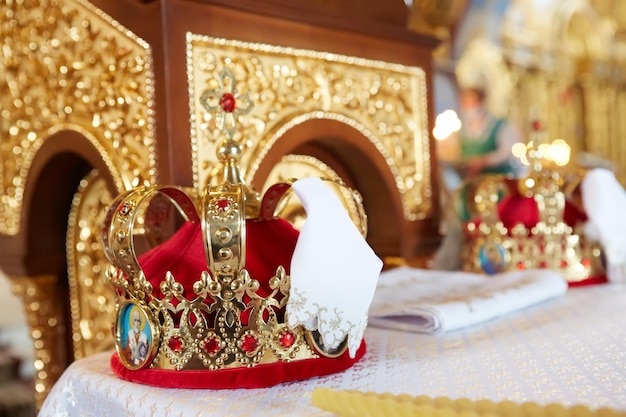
column 429, row 301
column 333, row 270
column 605, row 203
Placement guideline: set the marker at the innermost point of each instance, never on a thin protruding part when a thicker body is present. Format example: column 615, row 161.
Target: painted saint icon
column 134, row 336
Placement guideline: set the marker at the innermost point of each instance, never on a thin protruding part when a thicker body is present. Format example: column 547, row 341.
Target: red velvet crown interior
column 515, row 209
column 269, row 244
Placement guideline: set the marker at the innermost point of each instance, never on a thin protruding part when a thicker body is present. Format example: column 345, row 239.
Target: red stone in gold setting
column 249, row 344
column 223, row 204
column 212, row 346
column 175, row 344
column 287, row 339
column 228, row 102
column 537, row 125
column 124, row 209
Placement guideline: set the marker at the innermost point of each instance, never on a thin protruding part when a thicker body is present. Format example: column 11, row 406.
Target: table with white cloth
column 571, row 350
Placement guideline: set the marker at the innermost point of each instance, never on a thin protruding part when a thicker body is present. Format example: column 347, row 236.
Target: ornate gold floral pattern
column 92, row 300
column 383, row 101
column 67, row 65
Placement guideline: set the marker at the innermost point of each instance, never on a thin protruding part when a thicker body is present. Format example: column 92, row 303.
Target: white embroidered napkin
column 428, row 301
column 333, row 270
column 605, row 203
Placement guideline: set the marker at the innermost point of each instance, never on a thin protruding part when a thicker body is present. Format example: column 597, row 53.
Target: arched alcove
column 37, row 261
column 63, row 160
column 359, row 164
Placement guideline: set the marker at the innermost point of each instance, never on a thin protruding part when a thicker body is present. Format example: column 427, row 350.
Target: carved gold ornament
column 92, row 305
column 67, row 65
column 385, row 102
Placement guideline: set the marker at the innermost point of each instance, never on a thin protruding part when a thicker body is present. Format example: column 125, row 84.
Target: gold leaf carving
column 67, row 65
column 386, row 102
column 92, row 299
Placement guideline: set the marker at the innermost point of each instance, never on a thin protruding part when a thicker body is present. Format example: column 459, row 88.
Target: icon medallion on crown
column 215, row 305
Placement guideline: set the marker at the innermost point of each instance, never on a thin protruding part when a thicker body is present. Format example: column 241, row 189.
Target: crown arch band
column 358, row 163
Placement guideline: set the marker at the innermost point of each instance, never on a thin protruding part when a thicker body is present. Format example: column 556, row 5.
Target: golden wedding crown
column 530, row 222
column 224, row 318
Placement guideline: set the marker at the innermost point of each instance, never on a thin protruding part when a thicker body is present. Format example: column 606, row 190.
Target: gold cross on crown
column 226, row 103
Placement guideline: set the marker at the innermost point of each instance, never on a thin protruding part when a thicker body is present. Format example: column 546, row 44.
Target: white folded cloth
column 605, row 204
column 333, row 270
column 429, row 301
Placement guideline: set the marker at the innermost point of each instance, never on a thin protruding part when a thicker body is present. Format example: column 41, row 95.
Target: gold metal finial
column 228, row 153
column 534, row 150
column 535, row 154
column 227, row 105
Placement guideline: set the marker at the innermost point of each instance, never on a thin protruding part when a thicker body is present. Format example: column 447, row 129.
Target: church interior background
column 564, row 60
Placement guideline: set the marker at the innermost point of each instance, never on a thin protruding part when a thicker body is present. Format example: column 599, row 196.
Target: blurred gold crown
column 222, row 318
column 531, row 222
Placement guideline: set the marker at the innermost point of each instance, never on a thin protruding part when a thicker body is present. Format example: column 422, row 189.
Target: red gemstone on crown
column 249, row 344
column 223, row 204
column 537, row 125
column 124, row 209
column 228, row 102
column 287, row 339
column 212, row 346
column 175, row 344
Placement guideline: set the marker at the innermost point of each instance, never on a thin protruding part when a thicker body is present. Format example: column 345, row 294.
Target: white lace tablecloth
column 571, row 350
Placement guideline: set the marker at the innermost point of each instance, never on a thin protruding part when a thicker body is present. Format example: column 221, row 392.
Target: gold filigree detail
column 91, row 295
column 386, row 102
column 68, row 65
column 222, row 341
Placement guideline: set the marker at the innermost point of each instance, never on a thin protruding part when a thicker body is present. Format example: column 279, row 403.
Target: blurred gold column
column 597, row 114
column 46, row 319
